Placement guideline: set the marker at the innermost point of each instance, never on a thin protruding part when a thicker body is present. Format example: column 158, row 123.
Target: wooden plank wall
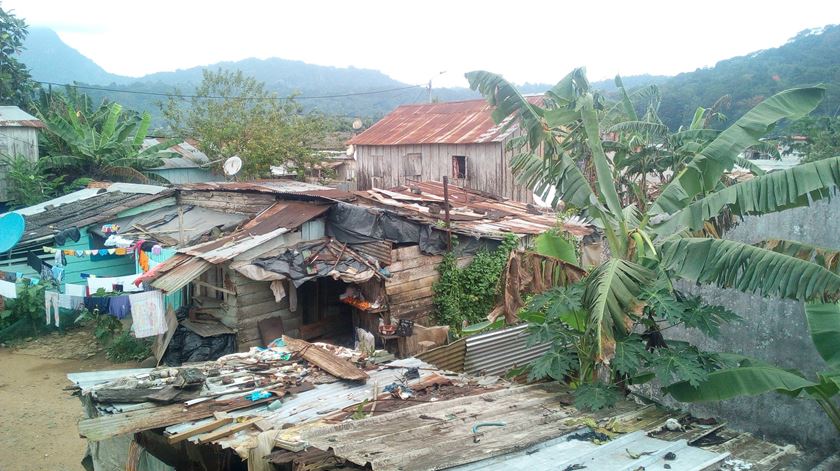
column 254, row 301
column 15, row 141
column 410, row 289
column 227, row 201
column 488, row 168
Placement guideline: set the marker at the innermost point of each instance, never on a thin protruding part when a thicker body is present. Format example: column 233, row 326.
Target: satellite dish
column 350, row 150
column 11, row 230
column 357, row 124
column 232, row 166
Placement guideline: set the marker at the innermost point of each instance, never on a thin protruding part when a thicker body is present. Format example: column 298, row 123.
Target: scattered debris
column 674, row 425
column 573, row 467
column 670, row 456
column 636, row 456
column 589, row 436
column 325, row 360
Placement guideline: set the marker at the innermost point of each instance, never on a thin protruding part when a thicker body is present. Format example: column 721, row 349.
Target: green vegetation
column 250, row 122
column 30, row 182
column 614, row 320
column 120, row 345
column 467, row 295
column 28, row 307
column 823, row 137
column 16, row 86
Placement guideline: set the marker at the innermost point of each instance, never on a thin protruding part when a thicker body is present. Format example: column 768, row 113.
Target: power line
column 177, row 95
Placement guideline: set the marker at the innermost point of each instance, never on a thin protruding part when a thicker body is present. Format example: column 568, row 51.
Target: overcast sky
column 412, row 41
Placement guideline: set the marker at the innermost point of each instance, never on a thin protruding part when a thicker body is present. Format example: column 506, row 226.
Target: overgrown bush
column 469, row 293
column 29, row 182
column 29, row 306
column 124, row 347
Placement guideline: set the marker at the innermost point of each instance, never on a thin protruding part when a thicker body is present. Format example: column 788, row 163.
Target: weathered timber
column 338, row 367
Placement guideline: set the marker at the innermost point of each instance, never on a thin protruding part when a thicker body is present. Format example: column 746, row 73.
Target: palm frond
column 825, row 257
column 732, row 264
column 561, row 178
column 797, row 186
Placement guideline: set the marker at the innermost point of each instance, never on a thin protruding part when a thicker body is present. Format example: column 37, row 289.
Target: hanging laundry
column 66, row 301
column 110, row 228
column 97, row 303
column 75, row 290
column 57, row 274
column 8, row 289
column 51, row 306
column 34, row 262
column 147, row 314
column 107, row 283
column 115, row 240
column 119, row 307
column 144, row 261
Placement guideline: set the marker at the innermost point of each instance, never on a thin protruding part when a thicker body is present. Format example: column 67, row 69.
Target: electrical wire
column 178, row 95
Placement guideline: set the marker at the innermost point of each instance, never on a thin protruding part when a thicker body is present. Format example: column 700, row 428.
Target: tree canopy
column 16, row 86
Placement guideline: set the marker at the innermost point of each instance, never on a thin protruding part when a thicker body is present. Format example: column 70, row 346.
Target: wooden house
column 429, row 141
column 18, row 137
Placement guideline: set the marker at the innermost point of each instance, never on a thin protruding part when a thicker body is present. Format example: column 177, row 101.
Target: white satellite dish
column 232, row 166
column 357, row 124
column 350, row 150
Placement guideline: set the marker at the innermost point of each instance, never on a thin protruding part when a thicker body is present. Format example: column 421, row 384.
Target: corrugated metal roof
column 177, row 272
column 455, row 122
column 471, row 211
column 188, row 155
column 278, row 187
column 494, row 353
column 282, row 217
column 164, row 222
column 14, row 116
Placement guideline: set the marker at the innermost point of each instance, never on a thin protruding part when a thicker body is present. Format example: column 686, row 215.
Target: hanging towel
column 147, row 314
column 119, row 306
column 75, row 290
column 66, row 301
column 51, row 306
column 8, row 289
column 97, row 303
column 105, row 283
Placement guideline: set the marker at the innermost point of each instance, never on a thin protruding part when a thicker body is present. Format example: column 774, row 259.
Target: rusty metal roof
column 282, row 217
column 188, row 155
column 295, row 188
column 455, row 122
column 471, row 211
column 12, row 116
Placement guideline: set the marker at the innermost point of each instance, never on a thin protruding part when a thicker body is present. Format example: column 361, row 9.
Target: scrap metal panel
column 495, row 353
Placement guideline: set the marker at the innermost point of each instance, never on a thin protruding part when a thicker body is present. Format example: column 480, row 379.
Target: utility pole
column 429, row 89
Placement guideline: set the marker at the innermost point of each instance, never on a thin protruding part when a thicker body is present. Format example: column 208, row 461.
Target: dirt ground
column 38, row 416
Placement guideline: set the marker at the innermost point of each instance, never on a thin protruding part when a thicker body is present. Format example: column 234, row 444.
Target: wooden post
column 446, row 213
column 180, row 225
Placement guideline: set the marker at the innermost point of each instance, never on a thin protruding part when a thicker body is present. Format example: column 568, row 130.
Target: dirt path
column 38, row 417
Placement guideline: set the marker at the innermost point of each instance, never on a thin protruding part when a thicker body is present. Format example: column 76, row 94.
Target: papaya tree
column 615, row 318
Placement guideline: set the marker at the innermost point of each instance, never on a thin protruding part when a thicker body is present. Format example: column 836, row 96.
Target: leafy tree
column 628, row 301
column 822, row 134
column 98, row 141
column 29, row 182
column 16, row 86
column 233, row 114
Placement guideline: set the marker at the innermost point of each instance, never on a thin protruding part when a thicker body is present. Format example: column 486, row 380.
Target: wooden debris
column 227, row 430
column 338, row 367
column 179, row 437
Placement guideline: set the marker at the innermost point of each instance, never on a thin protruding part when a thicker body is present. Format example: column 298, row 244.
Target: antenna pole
column 429, row 88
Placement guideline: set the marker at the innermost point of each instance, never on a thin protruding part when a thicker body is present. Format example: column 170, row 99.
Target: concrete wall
column 774, row 330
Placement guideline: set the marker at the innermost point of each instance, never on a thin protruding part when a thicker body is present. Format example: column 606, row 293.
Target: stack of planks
column 411, row 287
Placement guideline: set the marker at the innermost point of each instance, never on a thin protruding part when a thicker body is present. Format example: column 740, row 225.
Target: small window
column 459, row 166
column 413, row 165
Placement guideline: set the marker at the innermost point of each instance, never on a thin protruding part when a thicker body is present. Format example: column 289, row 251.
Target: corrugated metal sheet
column 88, row 379
column 14, row 116
column 188, row 155
column 176, row 272
column 448, row 357
column 456, row 122
column 164, row 222
column 471, row 212
column 494, row 353
column 380, row 250
column 302, row 190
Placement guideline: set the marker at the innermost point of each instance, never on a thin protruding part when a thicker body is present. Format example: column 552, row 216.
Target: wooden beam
column 338, row 367
column 208, row 285
column 227, row 430
column 179, row 437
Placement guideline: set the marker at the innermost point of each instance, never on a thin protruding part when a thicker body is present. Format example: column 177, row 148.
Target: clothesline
column 86, row 252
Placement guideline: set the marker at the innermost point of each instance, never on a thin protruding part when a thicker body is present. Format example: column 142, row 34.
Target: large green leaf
column 825, row 257
column 555, row 246
column 732, row 264
column 559, row 178
column 733, row 382
column 629, row 109
column 777, row 191
column 603, row 171
column 705, row 169
column 610, row 293
column 824, row 324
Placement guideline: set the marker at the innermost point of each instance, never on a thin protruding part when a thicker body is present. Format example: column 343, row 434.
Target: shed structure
column 458, row 139
column 18, row 137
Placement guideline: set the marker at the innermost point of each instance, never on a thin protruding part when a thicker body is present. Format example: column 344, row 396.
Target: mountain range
column 813, row 56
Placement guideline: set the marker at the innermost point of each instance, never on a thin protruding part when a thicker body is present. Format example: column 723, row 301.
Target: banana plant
column 750, row 377
column 664, row 240
column 104, row 141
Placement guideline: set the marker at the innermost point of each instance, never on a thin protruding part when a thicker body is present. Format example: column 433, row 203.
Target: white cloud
column 411, row 41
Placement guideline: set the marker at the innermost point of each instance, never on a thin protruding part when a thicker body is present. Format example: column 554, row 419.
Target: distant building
column 18, row 137
column 188, row 165
column 427, row 142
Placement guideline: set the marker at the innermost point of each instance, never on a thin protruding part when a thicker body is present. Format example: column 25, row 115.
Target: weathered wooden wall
column 410, row 289
column 254, row 301
column 488, row 167
column 16, row 141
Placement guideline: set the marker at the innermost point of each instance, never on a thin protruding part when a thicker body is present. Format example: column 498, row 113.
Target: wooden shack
column 18, row 138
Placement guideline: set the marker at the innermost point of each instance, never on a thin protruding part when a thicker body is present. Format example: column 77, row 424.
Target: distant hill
column 811, row 57
column 51, row 60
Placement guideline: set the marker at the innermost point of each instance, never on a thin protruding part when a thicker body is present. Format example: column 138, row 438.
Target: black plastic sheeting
column 293, row 266
column 187, row 346
column 353, row 224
